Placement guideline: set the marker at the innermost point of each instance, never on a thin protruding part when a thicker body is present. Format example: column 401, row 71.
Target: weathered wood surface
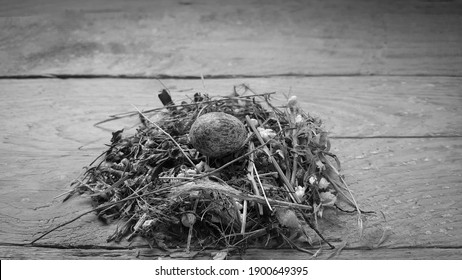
column 17, row 252
column 398, row 137
column 239, row 38
column 414, row 182
column 349, row 106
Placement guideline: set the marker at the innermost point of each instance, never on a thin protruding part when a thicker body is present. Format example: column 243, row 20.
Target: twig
column 64, row 193
column 246, row 235
column 385, row 236
column 337, row 251
column 316, row 254
column 137, row 226
column 360, row 221
column 244, row 216
column 165, row 87
column 268, row 174
column 307, row 220
column 353, row 211
column 176, row 178
column 68, row 222
column 262, row 189
column 190, row 232
column 203, row 83
column 290, row 190
column 292, row 124
column 250, row 175
column 295, row 245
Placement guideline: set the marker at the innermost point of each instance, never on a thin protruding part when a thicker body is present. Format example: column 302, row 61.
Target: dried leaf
column 221, row 255
column 288, row 218
column 327, row 198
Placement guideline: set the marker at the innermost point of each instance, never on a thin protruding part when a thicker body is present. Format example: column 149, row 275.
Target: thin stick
column 247, row 235
column 337, row 252
column 176, row 178
column 294, row 169
column 250, row 175
column 244, row 216
column 290, row 190
column 294, row 144
column 260, row 232
column 165, row 87
column 268, row 174
column 262, row 189
column 360, row 220
column 68, row 222
column 137, row 226
column 295, row 245
column 188, row 242
column 203, row 83
column 307, row 220
column 64, row 193
column 190, row 232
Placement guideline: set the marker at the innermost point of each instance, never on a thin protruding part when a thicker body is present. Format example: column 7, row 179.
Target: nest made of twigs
column 272, row 189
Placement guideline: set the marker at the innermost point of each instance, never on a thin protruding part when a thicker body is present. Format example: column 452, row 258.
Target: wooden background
column 385, row 76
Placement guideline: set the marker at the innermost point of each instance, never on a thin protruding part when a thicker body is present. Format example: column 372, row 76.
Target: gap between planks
column 109, row 248
column 332, row 36
column 19, row 252
column 212, row 77
column 397, row 137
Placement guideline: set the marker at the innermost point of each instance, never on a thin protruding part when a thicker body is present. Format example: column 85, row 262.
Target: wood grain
column 236, row 38
column 349, row 106
column 38, row 253
column 413, row 184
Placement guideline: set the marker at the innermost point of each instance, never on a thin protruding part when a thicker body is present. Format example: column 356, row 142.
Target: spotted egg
column 217, row 134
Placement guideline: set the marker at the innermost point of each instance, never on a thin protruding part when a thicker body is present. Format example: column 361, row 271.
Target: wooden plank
column 146, row 38
column 361, row 254
column 349, row 106
column 412, row 184
column 37, row 253
column 415, row 182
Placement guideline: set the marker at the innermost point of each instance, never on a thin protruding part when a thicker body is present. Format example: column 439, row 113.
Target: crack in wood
column 57, row 246
column 397, row 137
column 109, row 248
column 210, row 77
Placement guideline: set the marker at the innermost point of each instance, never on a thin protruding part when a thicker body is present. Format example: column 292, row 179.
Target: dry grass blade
column 251, row 175
column 353, row 200
column 288, row 186
column 262, row 189
column 337, row 251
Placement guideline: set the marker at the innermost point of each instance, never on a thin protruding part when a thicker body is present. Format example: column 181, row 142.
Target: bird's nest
column 270, row 192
